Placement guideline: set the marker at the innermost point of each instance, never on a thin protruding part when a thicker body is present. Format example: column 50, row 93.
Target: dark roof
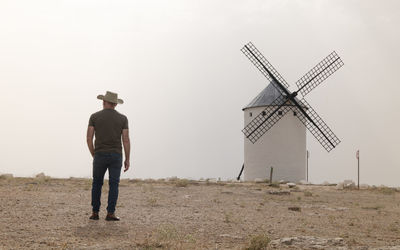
column 265, row 98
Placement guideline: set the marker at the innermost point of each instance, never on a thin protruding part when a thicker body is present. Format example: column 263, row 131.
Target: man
column 108, row 126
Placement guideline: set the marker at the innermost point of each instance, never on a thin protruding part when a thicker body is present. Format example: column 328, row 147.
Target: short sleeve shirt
column 108, row 125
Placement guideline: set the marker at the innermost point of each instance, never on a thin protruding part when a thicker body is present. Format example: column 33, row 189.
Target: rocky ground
column 45, row 213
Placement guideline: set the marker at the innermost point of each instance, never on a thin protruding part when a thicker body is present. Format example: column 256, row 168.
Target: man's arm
column 89, row 139
column 127, row 147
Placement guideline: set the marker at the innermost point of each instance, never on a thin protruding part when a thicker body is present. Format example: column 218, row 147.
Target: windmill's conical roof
column 265, row 98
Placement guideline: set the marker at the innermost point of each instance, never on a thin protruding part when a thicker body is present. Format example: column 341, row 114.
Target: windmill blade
column 319, row 73
column 262, row 64
column 317, row 127
column 266, row 119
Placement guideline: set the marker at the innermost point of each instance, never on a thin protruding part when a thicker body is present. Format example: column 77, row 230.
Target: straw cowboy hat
column 110, row 97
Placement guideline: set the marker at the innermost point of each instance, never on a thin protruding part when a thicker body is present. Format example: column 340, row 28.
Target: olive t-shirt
column 108, row 125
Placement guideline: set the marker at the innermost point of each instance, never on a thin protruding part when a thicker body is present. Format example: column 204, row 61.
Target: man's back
column 108, row 125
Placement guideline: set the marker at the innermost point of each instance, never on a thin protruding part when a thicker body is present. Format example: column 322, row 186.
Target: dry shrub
column 148, row 245
column 387, row 190
column 274, row 184
column 135, row 180
column 258, row 242
column 167, row 232
column 42, row 179
column 394, row 228
column 31, row 187
column 6, row 177
column 181, row 183
column 228, row 217
column 86, row 184
column 307, row 194
column 124, row 182
column 152, row 202
column 350, row 187
column 374, row 207
column 148, row 188
column 150, row 180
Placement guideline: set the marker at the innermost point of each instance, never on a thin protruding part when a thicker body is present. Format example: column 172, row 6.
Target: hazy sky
column 177, row 64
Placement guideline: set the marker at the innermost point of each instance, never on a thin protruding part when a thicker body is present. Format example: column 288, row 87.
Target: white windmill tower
column 284, row 147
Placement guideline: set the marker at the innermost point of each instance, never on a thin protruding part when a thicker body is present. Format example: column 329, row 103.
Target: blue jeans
column 101, row 162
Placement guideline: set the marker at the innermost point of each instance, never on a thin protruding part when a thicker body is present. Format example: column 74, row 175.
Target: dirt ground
column 45, row 213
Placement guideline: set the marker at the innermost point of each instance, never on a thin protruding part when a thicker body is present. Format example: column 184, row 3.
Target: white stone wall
column 282, row 147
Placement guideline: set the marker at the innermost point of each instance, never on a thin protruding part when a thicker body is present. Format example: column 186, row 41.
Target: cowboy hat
column 110, row 97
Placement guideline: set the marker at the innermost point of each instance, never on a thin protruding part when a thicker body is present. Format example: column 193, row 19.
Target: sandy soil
column 45, row 213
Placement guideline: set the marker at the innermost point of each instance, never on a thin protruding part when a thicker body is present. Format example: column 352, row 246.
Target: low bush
column 258, row 242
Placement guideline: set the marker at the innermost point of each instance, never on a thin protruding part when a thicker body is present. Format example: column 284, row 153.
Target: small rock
column 283, row 182
column 287, row 241
column 310, row 242
column 304, row 182
column 297, row 209
column 212, row 180
column 227, row 192
column 279, row 192
column 348, row 184
column 172, row 178
column 334, row 209
column 340, row 186
column 336, row 241
column 291, row 184
column 40, row 176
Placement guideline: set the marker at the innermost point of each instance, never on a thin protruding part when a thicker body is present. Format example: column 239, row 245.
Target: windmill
column 286, row 101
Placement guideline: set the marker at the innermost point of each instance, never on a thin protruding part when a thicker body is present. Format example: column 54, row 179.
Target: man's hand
column 126, row 164
column 127, row 147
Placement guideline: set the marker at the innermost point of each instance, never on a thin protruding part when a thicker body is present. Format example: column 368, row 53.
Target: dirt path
column 46, row 213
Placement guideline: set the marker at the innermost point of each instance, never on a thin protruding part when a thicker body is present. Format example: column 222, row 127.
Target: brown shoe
column 95, row 216
column 112, row 217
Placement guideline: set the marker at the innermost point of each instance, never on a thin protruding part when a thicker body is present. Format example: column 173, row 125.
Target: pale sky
column 177, row 64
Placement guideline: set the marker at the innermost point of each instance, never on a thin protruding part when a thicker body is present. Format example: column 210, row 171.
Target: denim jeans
column 101, row 162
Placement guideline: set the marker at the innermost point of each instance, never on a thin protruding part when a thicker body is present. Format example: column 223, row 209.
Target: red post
column 358, row 168
column 308, row 156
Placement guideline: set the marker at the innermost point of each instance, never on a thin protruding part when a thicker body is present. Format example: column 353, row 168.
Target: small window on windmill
column 294, row 113
column 279, row 112
column 263, row 113
column 251, row 114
